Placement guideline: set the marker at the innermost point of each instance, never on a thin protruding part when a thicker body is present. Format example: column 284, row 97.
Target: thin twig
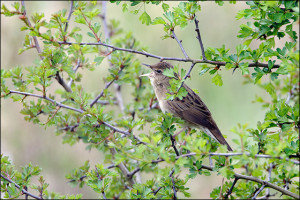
column 187, row 75
column 36, row 42
column 180, row 44
column 16, row 185
column 173, row 186
column 157, row 190
column 100, row 179
column 62, row 82
column 231, row 188
column 161, row 58
column 269, row 178
column 173, row 145
column 259, row 191
column 69, row 16
column 131, row 174
column 199, row 39
column 230, row 154
column 106, row 86
column 126, row 133
column 38, row 48
column 268, row 184
column 74, row 70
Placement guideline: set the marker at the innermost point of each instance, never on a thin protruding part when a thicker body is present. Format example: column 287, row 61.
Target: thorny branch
column 173, row 186
column 157, row 190
column 23, row 191
column 180, row 44
column 74, row 70
column 106, row 86
column 126, row 133
column 230, row 154
column 69, row 16
column 231, row 188
column 38, row 48
column 187, row 75
column 259, row 191
column 100, row 179
column 199, row 38
column 161, row 58
column 27, row 21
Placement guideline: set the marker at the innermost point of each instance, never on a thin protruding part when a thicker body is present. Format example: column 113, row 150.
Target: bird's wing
column 192, row 109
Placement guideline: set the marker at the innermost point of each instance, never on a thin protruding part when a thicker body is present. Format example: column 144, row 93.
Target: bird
column 190, row 108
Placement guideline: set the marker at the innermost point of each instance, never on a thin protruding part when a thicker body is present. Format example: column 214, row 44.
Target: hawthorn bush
column 142, row 161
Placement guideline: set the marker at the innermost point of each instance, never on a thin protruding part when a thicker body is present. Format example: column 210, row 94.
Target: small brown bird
column 191, row 108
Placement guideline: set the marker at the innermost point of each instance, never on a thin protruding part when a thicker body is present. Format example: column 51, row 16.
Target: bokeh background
column 230, row 104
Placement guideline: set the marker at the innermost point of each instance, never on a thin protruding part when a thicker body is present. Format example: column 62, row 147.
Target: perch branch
column 161, row 58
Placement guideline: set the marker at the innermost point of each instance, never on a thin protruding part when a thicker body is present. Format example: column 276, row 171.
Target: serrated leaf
column 145, row 18
column 217, row 79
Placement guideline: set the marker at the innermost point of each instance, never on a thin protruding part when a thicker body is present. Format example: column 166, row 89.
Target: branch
column 173, row 186
column 99, row 177
column 199, row 38
column 131, row 174
column 173, row 145
column 187, row 75
column 23, row 191
column 38, row 48
column 282, row 190
column 62, row 82
column 69, row 16
column 180, row 44
column 157, row 190
column 256, row 64
column 126, row 133
column 227, row 155
column 74, row 70
column 106, row 86
column 123, row 167
column 107, row 37
column 231, row 188
column 259, row 191
column 36, row 42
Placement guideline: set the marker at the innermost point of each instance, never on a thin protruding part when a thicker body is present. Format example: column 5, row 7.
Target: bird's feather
column 192, row 109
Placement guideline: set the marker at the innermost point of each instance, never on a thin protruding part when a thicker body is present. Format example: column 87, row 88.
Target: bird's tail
column 217, row 135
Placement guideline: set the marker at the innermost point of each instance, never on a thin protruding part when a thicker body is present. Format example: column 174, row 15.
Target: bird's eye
column 158, row 71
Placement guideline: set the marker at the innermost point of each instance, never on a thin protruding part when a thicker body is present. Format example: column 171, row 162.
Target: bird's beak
column 146, row 66
column 145, row 74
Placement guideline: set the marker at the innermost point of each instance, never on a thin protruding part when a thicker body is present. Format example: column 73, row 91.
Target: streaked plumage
column 191, row 108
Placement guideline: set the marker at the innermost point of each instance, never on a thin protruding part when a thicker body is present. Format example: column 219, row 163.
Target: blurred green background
column 230, row 104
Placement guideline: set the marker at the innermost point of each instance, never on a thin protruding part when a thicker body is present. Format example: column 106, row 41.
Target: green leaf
column 217, row 79
column 244, row 68
column 145, row 18
column 169, row 73
column 165, row 7
column 158, row 20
